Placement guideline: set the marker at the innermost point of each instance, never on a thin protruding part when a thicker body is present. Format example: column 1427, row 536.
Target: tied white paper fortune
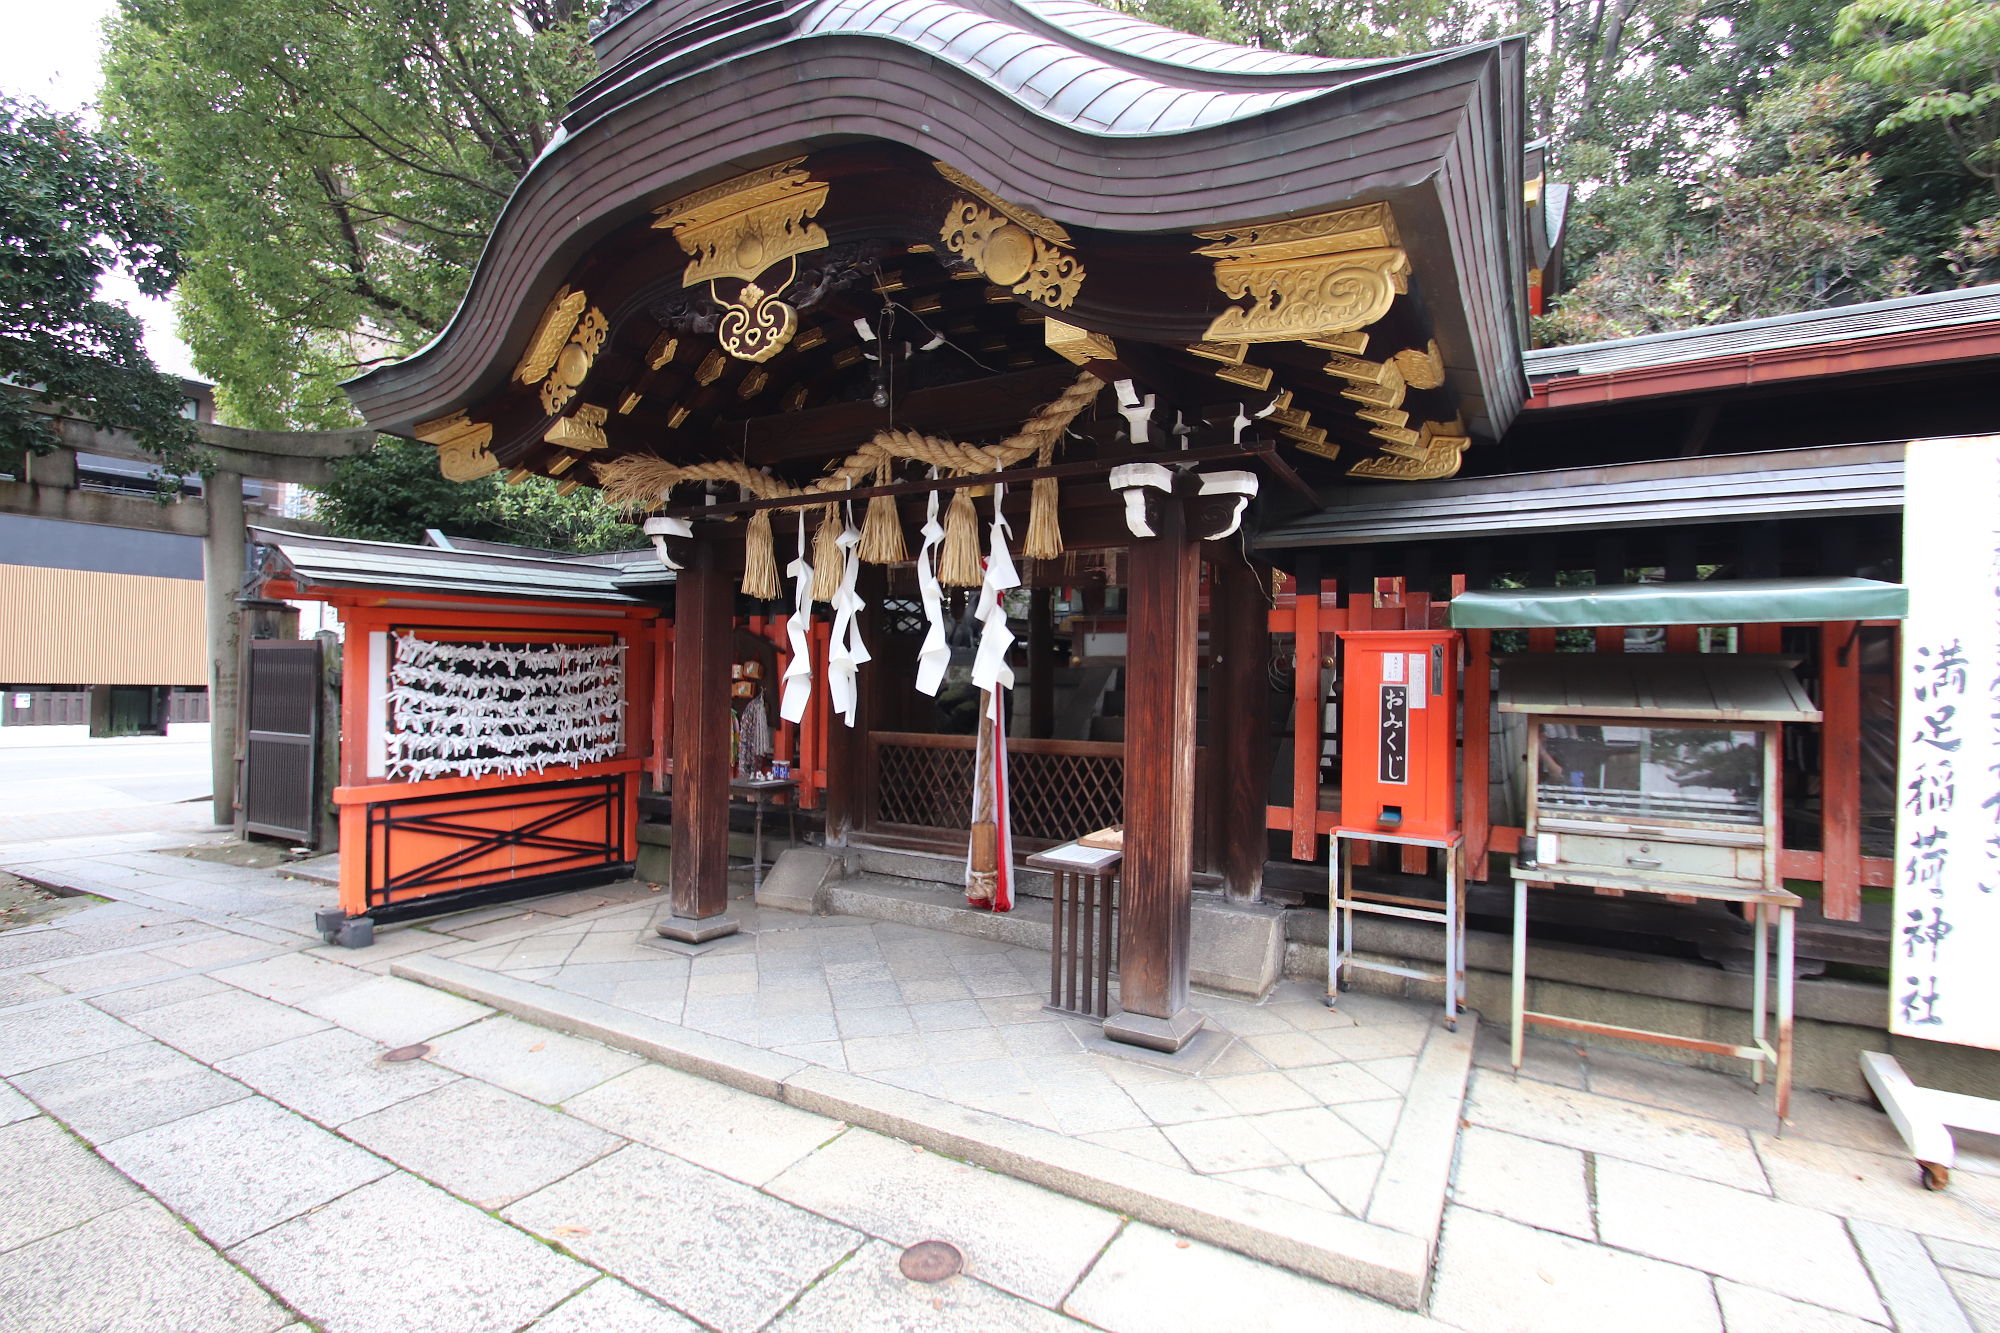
column 845, row 653
column 935, row 655
column 799, row 672
column 989, row 665
column 472, row 709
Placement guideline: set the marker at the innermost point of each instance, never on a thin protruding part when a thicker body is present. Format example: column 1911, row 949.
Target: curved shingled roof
column 1100, row 119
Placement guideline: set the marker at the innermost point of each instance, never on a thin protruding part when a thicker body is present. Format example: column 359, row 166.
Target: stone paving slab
column 731, row 1132
column 123, row 1091
column 1668, row 1140
column 242, row 1168
column 333, row 1076
column 482, row 1143
column 50, row 1182
column 51, row 1034
column 399, row 1256
column 532, row 1061
column 393, row 1012
column 1749, row 1238
column 867, row 1294
column 1013, row 1235
column 224, row 1024
column 1749, row 1309
column 669, row 1227
column 1496, row 1276
column 1151, row 1281
column 13, row 1106
column 609, row 1306
column 163, row 1278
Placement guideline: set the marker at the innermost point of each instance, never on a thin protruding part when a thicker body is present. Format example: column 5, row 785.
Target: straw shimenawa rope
column 640, row 483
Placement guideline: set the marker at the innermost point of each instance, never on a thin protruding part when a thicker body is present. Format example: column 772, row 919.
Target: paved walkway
column 199, row 1131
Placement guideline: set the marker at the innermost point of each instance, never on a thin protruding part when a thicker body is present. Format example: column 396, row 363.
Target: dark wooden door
column 281, row 741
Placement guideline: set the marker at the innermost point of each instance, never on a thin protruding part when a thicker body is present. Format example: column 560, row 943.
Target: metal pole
column 1518, row 985
column 222, row 581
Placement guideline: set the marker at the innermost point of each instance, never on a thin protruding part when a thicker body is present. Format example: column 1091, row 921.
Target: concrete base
column 1235, row 948
column 693, row 930
column 1159, row 1034
column 801, row 880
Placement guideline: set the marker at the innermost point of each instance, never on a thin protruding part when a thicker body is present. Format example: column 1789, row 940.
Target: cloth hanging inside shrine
column 989, row 857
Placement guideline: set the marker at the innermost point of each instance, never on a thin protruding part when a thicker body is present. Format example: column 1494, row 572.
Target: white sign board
column 1945, row 983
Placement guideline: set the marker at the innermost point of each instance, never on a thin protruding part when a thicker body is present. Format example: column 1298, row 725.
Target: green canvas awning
column 1719, row 602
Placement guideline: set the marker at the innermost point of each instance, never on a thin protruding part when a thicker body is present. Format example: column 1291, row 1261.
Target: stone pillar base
column 696, row 930
column 1158, row 1034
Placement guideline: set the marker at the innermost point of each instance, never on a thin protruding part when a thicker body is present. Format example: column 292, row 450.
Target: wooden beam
column 1153, row 923
column 705, row 602
column 975, row 408
column 1261, row 449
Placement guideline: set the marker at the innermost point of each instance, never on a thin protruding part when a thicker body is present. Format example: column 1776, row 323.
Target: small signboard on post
column 1944, row 985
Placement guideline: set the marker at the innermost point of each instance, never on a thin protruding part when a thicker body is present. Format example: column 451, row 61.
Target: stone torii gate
column 49, row 490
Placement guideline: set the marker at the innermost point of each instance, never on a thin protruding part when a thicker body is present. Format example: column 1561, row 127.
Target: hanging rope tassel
column 1044, row 541
column 760, row 560
column 958, row 561
column 881, row 530
column 827, row 555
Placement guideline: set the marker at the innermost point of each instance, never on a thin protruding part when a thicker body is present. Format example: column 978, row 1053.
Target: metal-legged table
column 1765, row 904
column 1344, row 900
column 758, row 793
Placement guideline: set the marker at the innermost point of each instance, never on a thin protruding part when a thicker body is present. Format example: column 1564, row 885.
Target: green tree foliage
column 73, row 207
column 1937, row 64
column 395, row 492
column 344, row 161
column 1762, row 237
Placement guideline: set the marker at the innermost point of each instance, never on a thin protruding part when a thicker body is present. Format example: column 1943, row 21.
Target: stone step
column 937, row 870
column 935, row 907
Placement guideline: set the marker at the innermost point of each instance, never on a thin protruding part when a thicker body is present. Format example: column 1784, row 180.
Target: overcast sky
column 51, row 54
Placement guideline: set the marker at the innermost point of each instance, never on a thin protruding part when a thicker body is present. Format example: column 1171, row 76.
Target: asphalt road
column 103, row 774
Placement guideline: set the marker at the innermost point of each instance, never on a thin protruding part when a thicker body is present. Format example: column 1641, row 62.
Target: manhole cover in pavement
column 931, row 1261
column 402, row 1054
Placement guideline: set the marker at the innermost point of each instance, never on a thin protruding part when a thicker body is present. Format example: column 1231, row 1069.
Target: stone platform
column 1317, row 1139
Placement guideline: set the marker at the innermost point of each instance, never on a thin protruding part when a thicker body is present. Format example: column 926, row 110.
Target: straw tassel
column 760, row 560
column 958, row 557
column 827, row 559
column 1044, row 540
column 881, row 530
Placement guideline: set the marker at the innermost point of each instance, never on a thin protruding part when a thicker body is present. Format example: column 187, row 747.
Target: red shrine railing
column 1314, row 622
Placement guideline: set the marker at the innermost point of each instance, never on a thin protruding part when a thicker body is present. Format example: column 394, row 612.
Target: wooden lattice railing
column 922, row 785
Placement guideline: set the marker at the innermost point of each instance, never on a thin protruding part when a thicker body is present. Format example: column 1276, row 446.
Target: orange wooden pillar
column 1840, row 771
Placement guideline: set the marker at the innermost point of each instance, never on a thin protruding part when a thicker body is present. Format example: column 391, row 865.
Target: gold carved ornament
column 1437, row 452
column 1013, row 246
column 1305, row 278
column 582, row 429
column 462, row 446
column 741, row 229
column 562, row 349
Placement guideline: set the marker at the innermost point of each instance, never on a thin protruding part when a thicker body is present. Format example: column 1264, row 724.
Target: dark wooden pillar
column 704, row 603
column 1041, row 663
column 1239, row 756
column 1162, row 591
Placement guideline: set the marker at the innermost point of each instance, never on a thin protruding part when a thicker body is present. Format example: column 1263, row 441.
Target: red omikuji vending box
column 1399, row 733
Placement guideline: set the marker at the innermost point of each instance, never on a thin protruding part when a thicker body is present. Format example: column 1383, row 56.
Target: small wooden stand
column 1085, row 934
column 1343, row 901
